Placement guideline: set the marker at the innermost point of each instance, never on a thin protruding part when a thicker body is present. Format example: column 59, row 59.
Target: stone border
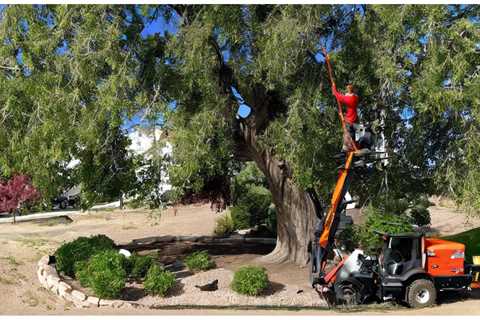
column 49, row 279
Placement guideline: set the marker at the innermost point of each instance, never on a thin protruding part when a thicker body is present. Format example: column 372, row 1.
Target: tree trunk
column 122, row 205
column 296, row 210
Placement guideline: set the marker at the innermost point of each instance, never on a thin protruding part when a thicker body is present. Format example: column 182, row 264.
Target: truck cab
column 410, row 268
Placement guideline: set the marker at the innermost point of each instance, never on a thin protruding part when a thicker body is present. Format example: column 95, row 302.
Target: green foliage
column 80, row 249
column 251, row 199
column 350, row 237
column 202, row 155
column 81, row 273
column 471, row 240
column 240, row 217
column 199, row 261
column 83, row 67
column 106, row 274
column 138, row 265
column 49, row 98
column 106, row 170
column 249, row 176
column 394, row 206
column 250, row 280
column 224, row 225
column 377, row 221
column 420, row 215
column 158, row 281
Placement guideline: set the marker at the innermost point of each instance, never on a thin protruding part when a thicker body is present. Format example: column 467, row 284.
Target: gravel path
column 186, row 293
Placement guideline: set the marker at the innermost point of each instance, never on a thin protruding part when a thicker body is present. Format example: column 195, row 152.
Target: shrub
column 420, row 216
column 250, row 280
column 158, row 281
column 471, row 240
column 240, row 217
column 423, row 201
column 249, row 175
column 81, row 273
column 199, row 261
column 377, row 221
column 251, row 199
column 252, row 208
column 106, row 274
column 80, row 249
column 224, row 225
column 138, row 265
column 393, row 206
column 349, row 237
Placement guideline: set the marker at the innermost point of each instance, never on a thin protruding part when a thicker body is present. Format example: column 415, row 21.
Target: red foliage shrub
column 15, row 192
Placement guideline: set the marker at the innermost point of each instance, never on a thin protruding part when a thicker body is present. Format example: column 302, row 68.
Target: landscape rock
column 52, row 282
column 77, row 295
column 105, row 302
column 64, row 288
column 93, row 301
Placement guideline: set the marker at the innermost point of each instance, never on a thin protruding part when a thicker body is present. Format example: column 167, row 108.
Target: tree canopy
column 68, row 71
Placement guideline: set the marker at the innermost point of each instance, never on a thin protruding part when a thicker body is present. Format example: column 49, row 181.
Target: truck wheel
column 421, row 293
column 64, row 204
column 347, row 294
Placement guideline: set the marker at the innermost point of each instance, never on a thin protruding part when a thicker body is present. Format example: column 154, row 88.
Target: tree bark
column 296, row 210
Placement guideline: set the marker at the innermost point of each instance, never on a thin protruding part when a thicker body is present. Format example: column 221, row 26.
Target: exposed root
column 279, row 255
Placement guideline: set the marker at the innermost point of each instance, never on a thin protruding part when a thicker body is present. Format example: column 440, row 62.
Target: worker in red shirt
column 350, row 101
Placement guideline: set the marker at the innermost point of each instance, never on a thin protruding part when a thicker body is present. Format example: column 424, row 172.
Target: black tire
column 421, row 293
column 347, row 293
column 64, row 204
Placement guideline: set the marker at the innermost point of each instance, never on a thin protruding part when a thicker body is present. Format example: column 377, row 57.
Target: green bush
column 158, row 281
column 377, row 221
column 250, row 280
column 240, row 217
column 252, row 208
column 471, row 240
column 423, row 201
column 420, row 215
column 393, row 206
column 251, row 200
column 199, row 261
column 224, row 225
column 106, row 274
column 81, row 273
column 138, row 265
column 248, row 176
column 350, row 237
column 80, row 249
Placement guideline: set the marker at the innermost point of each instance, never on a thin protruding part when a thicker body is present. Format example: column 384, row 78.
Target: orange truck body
column 444, row 258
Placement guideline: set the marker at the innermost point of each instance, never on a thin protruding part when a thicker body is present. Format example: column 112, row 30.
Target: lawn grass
column 471, row 240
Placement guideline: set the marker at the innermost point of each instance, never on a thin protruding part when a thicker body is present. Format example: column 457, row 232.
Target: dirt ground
column 22, row 245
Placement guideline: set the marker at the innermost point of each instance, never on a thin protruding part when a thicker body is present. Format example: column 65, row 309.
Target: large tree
column 418, row 63
column 66, row 72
